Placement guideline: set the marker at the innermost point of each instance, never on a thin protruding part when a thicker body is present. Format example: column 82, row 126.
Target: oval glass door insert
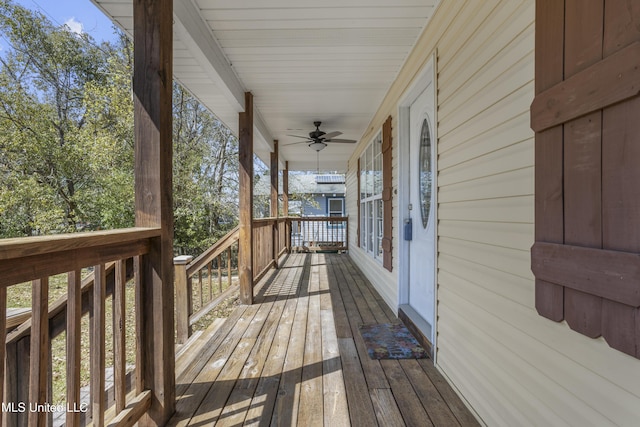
column 425, row 177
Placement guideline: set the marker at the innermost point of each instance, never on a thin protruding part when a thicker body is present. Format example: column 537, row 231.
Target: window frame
column 370, row 198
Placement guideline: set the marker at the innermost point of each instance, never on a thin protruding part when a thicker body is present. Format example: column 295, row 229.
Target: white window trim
column 368, row 166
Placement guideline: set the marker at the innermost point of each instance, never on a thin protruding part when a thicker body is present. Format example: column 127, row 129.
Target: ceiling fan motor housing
column 316, row 134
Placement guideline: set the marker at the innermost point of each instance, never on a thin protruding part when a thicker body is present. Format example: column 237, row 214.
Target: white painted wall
column 510, row 365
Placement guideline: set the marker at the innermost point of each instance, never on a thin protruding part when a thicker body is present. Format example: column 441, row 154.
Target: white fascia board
column 194, row 32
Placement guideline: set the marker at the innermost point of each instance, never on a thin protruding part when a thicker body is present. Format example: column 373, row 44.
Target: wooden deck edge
column 190, row 350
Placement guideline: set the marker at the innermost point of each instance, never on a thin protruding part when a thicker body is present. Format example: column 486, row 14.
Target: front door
column 421, row 209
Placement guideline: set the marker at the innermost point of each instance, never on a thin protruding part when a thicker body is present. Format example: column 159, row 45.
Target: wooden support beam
column 275, row 244
column 245, row 244
column 285, row 189
column 285, row 204
column 274, row 180
column 152, row 87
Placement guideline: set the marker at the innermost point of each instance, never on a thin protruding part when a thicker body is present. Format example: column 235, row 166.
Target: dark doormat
column 391, row 341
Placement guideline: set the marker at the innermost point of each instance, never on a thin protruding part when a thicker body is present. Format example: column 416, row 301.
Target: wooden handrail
column 216, row 249
column 21, row 247
column 185, row 269
column 72, row 253
column 318, row 218
column 113, row 255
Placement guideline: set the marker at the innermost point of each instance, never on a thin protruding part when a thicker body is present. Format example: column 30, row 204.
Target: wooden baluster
column 74, row 333
column 39, row 360
column 346, row 235
column 209, row 273
column 200, row 288
column 229, row 267
column 50, row 377
column 97, row 353
column 138, row 272
column 119, row 335
column 219, row 261
column 3, row 340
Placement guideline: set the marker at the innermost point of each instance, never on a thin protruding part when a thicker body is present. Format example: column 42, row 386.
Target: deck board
column 296, row 357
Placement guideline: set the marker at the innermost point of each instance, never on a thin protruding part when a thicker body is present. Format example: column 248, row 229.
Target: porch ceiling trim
column 194, row 32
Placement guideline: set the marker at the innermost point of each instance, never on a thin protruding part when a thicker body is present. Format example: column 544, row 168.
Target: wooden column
column 274, row 203
column 152, row 86
column 285, row 204
column 245, row 244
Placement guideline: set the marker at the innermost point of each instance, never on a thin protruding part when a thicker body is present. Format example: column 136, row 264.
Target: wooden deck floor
column 296, row 357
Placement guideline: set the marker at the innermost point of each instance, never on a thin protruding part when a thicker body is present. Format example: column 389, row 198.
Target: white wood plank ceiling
column 326, row 60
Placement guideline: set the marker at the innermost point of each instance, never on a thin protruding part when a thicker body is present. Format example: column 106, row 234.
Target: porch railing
column 268, row 244
column 312, row 234
column 207, row 270
column 114, row 257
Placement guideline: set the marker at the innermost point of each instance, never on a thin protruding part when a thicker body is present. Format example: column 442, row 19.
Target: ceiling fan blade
column 298, row 136
column 341, row 141
column 331, row 135
column 297, row 142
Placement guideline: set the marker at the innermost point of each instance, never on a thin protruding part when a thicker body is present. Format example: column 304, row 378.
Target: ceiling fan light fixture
column 317, row 145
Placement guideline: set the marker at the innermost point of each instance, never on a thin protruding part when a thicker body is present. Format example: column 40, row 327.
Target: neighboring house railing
column 114, row 257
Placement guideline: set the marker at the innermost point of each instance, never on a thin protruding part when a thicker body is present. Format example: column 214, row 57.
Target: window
column 371, row 205
column 336, row 208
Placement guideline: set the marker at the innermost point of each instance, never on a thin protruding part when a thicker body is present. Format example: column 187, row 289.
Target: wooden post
column 152, row 87
column 245, row 243
column 183, row 297
column 274, row 203
column 285, row 205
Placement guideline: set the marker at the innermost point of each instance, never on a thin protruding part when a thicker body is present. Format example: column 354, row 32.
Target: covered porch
column 297, row 357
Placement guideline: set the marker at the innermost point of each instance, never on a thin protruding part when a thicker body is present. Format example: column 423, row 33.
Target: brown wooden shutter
column 359, row 213
column 586, row 115
column 387, row 196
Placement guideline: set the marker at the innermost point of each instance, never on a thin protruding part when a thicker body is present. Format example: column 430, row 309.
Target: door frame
column 424, row 77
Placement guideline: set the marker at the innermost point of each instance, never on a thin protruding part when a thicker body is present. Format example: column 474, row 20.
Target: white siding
column 510, row 365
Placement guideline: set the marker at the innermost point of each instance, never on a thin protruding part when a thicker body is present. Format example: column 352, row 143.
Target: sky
column 79, row 15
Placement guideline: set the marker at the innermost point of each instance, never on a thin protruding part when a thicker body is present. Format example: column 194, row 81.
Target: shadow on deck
column 296, row 357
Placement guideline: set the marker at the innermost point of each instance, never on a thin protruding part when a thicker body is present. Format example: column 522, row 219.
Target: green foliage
column 60, row 151
column 67, row 144
column 205, row 179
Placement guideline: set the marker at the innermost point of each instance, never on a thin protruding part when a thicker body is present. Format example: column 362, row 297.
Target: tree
column 54, row 138
column 205, row 175
column 66, row 139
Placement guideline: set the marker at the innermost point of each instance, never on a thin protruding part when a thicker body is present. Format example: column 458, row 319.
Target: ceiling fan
column 318, row 140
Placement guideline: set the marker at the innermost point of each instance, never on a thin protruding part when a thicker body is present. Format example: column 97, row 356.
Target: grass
column 20, row 296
